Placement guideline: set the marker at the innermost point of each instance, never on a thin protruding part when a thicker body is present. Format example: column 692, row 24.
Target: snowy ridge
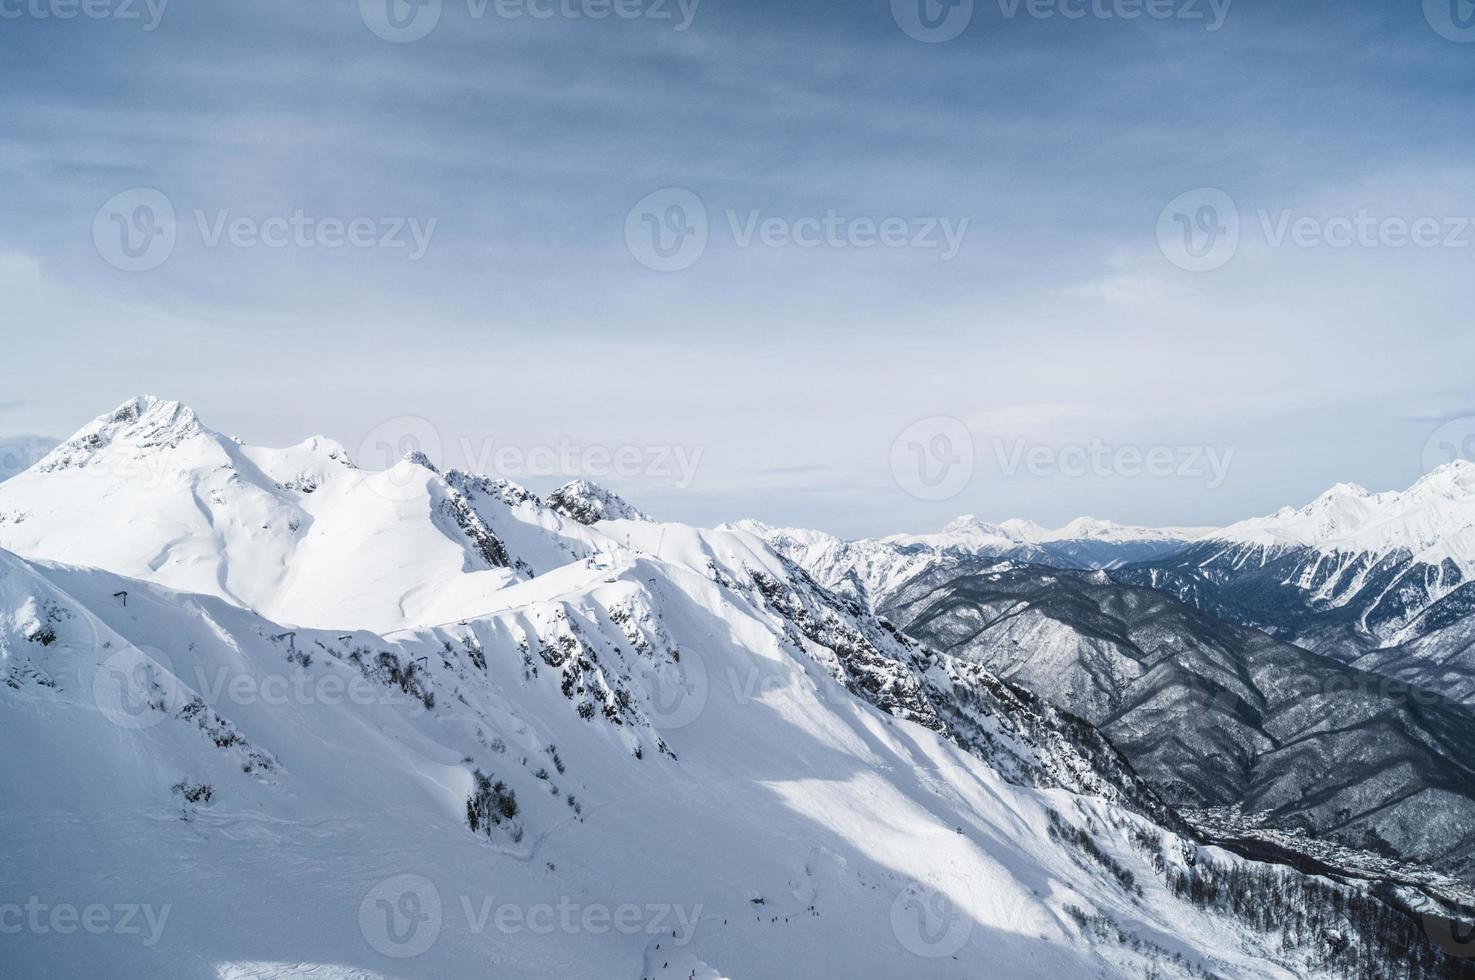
column 289, row 532
column 138, row 425
column 1350, row 572
column 862, row 570
column 970, row 535
column 869, row 569
column 478, row 702
column 1432, row 522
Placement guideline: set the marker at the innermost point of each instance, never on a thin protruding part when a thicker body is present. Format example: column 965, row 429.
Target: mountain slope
column 869, row 569
column 1349, row 573
column 1215, row 715
column 634, row 723
column 422, row 815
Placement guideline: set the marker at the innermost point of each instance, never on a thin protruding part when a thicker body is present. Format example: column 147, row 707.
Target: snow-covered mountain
column 1350, row 572
column 863, row 570
column 1218, row 715
column 589, row 503
column 1085, row 542
column 299, row 720
column 300, row 534
column 869, row 569
column 1432, row 521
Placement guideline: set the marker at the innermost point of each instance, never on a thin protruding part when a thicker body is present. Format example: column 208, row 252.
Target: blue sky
column 519, row 145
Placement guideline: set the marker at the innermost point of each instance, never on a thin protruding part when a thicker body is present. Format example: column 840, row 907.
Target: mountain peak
column 1344, row 491
column 1434, row 520
column 970, row 523
column 416, row 458
column 589, row 503
column 1023, row 529
column 1454, row 479
column 1085, row 527
column 145, row 422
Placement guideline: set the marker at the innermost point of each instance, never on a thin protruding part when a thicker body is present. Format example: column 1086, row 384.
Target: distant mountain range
column 1171, row 657
column 1379, row 580
column 321, row 721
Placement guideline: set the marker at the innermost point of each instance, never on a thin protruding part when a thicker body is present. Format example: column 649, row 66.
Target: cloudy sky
column 818, row 262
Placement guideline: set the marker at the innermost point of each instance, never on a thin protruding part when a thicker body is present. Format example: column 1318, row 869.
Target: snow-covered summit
column 1095, row 529
column 1432, row 521
column 971, row 535
column 590, row 503
column 298, row 534
column 137, row 426
column 967, row 534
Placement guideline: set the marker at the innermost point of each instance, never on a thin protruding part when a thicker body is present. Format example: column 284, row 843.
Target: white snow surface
column 337, row 654
column 1432, row 521
column 972, row 535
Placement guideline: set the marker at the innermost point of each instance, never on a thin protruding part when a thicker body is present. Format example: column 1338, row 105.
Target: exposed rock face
column 589, row 503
